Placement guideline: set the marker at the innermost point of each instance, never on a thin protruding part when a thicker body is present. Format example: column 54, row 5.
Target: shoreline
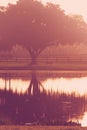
column 36, row 127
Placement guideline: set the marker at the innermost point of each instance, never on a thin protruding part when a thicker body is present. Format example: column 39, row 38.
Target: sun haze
column 70, row 6
column 5, row 2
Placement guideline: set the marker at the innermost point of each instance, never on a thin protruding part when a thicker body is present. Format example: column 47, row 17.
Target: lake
column 70, row 83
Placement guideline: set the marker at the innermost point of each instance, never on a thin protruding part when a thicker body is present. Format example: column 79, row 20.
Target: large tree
column 36, row 26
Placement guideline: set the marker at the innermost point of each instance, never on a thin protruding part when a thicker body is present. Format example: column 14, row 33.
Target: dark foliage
column 36, row 26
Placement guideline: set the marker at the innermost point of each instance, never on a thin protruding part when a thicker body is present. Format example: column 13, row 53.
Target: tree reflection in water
column 35, row 86
column 36, row 105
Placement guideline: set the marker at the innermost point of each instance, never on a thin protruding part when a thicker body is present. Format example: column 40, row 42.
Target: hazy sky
column 71, row 6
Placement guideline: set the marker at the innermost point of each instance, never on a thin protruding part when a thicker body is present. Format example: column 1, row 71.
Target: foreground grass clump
column 42, row 128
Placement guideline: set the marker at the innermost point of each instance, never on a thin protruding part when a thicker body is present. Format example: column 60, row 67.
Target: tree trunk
column 33, row 59
column 34, row 85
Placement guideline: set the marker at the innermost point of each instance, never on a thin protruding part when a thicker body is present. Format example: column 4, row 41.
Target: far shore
column 54, row 67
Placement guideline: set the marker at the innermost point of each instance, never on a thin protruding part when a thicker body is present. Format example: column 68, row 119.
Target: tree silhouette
column 36, row 26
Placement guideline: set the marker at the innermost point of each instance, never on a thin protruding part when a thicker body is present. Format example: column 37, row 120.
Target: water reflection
column 69, row 93
column 83, row 121
column 68, row 83
column 18, row 85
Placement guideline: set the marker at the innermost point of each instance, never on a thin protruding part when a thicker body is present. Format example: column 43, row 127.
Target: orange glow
column 67, row 85
column 84, row 120
column 16, row 85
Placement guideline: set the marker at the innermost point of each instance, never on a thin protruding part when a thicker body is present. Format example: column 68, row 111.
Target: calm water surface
column 68, row 82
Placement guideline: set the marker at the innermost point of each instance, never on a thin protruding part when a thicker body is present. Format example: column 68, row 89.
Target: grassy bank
column 42, row 128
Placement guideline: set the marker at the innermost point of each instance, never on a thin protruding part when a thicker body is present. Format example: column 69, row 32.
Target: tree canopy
column 36, row 26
